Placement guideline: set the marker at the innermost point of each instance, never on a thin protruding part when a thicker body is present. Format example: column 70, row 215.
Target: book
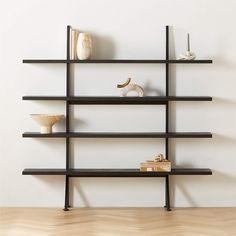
column 162, row 166
column 74, row 34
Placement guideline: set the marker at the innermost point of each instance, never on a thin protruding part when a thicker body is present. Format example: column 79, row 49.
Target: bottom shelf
column 116, row 172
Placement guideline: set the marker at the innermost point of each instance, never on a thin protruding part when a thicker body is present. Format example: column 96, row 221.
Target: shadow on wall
column 151, row 91
column 181, row 183
column 221, row 140
column 178, row 182
column 221, row 60
column 116, row 200
column 103, row 47
column 55, row 181
column 77, row 188
column 223, row 102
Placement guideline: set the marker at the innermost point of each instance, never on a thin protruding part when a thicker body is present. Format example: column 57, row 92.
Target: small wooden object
column 127, row 87
column 160, row 164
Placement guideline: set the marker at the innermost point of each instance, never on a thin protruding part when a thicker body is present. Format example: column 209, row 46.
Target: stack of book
column 160, row 164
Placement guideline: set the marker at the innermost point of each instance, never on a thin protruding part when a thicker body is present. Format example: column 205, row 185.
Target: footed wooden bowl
column 46, row 121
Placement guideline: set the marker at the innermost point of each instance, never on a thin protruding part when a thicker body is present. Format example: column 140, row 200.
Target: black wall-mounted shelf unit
column 118, row 100
column 69, row 172
column 118, row 61
column 119, row 135
column 115, row 172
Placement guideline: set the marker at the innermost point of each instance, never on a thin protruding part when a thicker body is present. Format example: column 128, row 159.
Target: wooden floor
column 117, row 221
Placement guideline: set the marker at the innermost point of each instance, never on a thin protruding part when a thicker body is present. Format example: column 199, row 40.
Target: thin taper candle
column 188, row 49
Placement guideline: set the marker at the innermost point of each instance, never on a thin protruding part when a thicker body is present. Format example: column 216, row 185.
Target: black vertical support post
column 67, row 179
column 167, row 203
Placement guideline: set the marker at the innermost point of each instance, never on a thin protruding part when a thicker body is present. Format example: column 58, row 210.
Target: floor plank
column 118, row 222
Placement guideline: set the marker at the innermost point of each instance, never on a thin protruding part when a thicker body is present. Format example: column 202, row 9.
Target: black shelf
column 129, row 61
column 119, row 135
column 118, row 100
column 116, row 172
column 45, row 98
column 69, row 99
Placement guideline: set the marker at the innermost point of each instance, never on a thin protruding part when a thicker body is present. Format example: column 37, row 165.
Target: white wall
column 120, row 29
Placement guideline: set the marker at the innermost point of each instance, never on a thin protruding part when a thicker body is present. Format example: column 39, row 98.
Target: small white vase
column 84, row 46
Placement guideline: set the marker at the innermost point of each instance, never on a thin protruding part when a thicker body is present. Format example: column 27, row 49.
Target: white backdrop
column 122, row 29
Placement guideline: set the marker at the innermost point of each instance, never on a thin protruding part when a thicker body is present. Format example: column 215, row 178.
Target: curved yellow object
column 125, row 84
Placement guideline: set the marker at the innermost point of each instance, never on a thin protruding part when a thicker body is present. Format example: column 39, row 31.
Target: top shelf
column 130, row 61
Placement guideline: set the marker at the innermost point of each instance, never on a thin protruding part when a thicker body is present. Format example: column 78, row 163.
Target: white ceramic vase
column 84, row 46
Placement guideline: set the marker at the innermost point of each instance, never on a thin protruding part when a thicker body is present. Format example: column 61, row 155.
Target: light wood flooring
column 117, row 221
